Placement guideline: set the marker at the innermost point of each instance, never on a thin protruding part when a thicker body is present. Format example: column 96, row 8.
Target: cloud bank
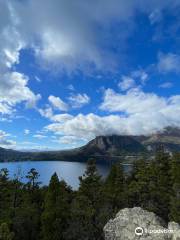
column 132, row 113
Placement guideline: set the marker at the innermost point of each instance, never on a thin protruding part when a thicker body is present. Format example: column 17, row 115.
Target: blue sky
column 70, row 71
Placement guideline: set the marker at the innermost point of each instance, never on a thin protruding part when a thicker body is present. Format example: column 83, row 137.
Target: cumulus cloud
column 79, row 100
column 13, row 85
column 132, row 113
column 4, row 141
column 61, row 118
column 126, row 83
column 58, row 103
column 47, row 112
column 26, row 131
column 39, row 136
column 134, row 101
column 140, row 75
column 69, row 34
column 70, row 140
column 169, row 62
column 166, row 85
column 14, row 90
column 87, row 126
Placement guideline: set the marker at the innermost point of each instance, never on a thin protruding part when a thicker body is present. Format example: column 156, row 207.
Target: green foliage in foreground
column 56, row 212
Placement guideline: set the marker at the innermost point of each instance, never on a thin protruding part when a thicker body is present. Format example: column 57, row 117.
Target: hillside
column 169, row 138
column 104, row 148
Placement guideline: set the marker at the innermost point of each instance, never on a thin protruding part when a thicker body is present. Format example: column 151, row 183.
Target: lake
column 69, row 171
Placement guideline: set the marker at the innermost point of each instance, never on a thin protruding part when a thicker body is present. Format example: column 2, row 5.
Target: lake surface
column 69, row 171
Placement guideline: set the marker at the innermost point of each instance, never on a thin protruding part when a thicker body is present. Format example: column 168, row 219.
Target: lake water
column 69, row 171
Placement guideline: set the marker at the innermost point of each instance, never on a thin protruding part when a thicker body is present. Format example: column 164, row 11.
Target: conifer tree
column 56, row 210
column 5, row 233
column 163, row 191
column 87, row 206
column 115, row 188
column 138, row 192
column 5, row 195
column 175, row 198
column 26, row 220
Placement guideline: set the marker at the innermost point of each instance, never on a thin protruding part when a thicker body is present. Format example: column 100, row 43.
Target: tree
column 26, row 220
column 4, row 174
column 150, row 186
column 175, row 198
column 5, row 195
column 87, row 206
column 163, row 191
column 5, row 233
column 115, row 189
column 32, row 176
column 138, row 185
column 56, row 212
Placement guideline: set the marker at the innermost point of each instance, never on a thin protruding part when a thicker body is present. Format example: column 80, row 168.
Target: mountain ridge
column 103, row 147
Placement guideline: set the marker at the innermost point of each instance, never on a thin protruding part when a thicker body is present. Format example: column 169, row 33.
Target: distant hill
column 113, row 146
column 169, row 138
column 104, row 148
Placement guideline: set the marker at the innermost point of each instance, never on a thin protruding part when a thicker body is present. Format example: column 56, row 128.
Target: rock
column 175, row 227
column 136, row 223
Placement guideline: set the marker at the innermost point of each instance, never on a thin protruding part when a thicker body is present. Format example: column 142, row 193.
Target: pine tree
column 5, row 195
column 163, row 189
column 32, row 176
column 87, row 206
column 5, row 233
column 26, row 220
column 115, row 189
column 138, row 192
column 175, row 198
column 56, row 212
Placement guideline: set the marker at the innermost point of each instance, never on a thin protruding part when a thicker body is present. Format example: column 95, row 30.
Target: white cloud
column 58, row 103
column 134, row 101
column 140, row 74
column 13, row 85
column 26, row 131
column 166, row 85
column 141, row 106
column 126, row 83
column 39, row 136
column 14, row 90
column 47, row 112
column 4, row 141
column 79, row 100
column 169, row 62
column 70, row 140
column 155, row 16
column 87, row 126
column 71, row 87
column 37, row 79
column 67, row 34
column 137, row 113
column 61, row 118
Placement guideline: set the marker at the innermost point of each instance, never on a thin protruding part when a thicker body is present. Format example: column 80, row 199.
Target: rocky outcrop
column 114, row 145
column 136, row 223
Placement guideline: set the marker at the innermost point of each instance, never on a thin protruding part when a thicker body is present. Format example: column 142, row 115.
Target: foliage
column 29, row 211
column 5, row 233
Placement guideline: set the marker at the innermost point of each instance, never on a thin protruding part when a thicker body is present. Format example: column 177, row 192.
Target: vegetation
column 56, row 212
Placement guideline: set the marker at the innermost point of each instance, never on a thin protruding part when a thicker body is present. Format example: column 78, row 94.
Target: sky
column 73, row 70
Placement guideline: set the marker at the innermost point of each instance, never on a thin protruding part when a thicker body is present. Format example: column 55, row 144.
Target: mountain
column 104, row 148
column 113, row 146
column 169, row 138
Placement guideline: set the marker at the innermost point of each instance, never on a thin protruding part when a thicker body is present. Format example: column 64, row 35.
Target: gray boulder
column 136, row 223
